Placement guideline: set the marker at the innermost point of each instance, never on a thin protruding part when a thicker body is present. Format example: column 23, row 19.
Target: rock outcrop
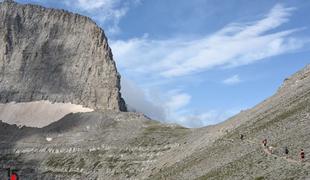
column 54, row 55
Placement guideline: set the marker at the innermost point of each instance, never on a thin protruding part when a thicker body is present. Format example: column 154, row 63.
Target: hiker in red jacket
column 264, row 142
column 14, row 176
column 302, row 155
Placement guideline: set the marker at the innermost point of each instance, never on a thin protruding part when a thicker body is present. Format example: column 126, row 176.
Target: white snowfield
column 38, row 113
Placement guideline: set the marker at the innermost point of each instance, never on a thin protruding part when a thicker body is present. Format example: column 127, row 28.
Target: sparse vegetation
column 259, row 178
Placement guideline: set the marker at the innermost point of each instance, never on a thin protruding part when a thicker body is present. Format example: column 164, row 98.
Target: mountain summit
column 54, row 55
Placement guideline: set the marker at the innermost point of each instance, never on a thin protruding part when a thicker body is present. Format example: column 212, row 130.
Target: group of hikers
column 286, row 151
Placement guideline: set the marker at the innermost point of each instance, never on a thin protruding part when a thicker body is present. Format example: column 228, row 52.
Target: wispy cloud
column 107, row 13
column 171, row 107
column 163, row 108
column 103, row 11
column 90, row 5
column 137, row 100
column 235, row 79
column 235, row 45
column 177, row 100
column 194, row 120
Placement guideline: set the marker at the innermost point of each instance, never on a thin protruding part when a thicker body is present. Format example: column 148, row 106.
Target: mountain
column 54, row 55
column 110, row 144
column 124, row 145
column 216, row 152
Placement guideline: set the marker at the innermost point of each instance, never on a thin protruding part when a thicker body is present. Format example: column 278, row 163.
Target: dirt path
column 269, row 153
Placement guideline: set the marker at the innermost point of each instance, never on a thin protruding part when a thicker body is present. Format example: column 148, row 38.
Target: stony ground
column 89, row 145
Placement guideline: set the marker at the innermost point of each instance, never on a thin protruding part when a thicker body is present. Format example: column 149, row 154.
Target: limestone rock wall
column 54, row 55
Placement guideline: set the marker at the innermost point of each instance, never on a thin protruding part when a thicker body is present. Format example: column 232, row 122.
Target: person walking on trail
column 14, row 176
column 241, row 136
column 286, row 151
column 270, row 148
column 302, row 155
column 265, row 142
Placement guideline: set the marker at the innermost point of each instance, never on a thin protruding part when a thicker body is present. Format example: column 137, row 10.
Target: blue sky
column 199, row 62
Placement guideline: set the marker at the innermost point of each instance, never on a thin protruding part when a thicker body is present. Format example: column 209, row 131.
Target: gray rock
column 48, row 54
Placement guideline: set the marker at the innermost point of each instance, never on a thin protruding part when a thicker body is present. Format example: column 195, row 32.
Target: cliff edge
column 54, row 55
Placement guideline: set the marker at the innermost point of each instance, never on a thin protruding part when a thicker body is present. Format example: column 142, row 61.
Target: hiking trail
column 268, row 152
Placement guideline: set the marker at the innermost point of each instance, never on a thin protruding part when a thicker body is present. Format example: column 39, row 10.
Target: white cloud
column 177, row 101
column 107, row 13
column 162, row 109
column 211, row 117
column 137, row 100
column 234, row 45
column 166, row 109
column 90, row 5
column 103, row 11
column 171, row 108
column 235, row 79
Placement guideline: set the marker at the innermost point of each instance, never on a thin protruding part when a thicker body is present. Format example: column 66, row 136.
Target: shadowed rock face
column 48, row 54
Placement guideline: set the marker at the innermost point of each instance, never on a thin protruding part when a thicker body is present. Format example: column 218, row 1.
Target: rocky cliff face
column 54, row 55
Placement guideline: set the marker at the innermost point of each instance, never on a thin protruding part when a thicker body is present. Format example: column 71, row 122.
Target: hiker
column 302, row 155
column 286, row 151
column 241, row 136
column 265, row 142
column 14, row 176
column 270, row 149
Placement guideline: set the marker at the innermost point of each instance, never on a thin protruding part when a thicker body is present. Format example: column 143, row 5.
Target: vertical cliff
column 54, row 55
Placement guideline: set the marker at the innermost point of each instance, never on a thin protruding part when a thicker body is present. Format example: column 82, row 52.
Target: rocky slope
column 97, row 145
column 54, row 55
column 111, row 145
column 284, row 119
